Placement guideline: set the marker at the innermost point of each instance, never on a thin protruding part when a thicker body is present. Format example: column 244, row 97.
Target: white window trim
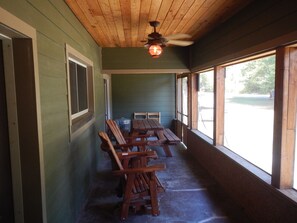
column 75, row 56
column 78, row 114
column 78, row 62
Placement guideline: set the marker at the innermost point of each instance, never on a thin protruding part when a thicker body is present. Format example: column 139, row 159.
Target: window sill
column 289, row 193
column 80, row 124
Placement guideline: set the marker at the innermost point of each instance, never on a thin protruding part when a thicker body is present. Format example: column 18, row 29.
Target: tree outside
column 258, row 76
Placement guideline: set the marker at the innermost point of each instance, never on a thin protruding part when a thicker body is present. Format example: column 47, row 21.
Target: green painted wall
column 138, row 58
column 259, row 27
column 68, row 165
column 144, row 93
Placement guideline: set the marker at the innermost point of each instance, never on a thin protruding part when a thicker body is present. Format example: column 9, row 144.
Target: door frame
column 107, row 96
column 13, row 27
column 13, row 129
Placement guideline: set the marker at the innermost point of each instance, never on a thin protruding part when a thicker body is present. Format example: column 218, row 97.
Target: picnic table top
column 146, row 125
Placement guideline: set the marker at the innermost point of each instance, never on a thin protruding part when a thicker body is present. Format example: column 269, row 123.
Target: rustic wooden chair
column 140, row 115
column 154, row 115
column 141, row 185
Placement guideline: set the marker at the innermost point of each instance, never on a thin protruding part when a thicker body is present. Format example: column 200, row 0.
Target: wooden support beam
column 285, row 108
column 219, row 96
column 194, row 101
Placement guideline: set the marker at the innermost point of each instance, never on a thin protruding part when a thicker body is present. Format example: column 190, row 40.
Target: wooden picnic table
column 152, row 127
column 144, row 125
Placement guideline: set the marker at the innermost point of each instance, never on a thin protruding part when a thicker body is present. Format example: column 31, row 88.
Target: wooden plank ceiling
column 125, row 23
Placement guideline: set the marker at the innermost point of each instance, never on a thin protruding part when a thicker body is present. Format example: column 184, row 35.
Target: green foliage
column 206, row 81
column 258, row 75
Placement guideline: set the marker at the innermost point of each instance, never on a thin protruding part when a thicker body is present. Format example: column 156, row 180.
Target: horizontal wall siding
column 138, row 58
column 67, row 165
column 259, row 27
column 144, row 93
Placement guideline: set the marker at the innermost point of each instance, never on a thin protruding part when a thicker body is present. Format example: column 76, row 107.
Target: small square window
column 80, row 90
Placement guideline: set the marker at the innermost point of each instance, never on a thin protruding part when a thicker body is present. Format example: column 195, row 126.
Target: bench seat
column 165, row 138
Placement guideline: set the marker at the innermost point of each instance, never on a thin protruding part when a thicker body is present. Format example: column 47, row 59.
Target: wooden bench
column 165, row 138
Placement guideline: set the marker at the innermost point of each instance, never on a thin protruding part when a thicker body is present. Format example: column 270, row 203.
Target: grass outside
column 261, row 101
column 248, row 127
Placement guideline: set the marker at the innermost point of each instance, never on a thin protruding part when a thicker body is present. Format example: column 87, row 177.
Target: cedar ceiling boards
column 124, row 23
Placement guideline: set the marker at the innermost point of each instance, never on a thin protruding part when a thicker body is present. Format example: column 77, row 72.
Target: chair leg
column 154, row 196
column 127, row 197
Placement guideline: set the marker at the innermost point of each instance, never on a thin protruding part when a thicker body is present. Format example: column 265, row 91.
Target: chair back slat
column 140, row 115
column 154, row 116
column 107, row 143
column 114, row 128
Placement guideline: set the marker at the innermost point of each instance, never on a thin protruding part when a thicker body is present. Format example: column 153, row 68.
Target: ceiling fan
column 155, row 41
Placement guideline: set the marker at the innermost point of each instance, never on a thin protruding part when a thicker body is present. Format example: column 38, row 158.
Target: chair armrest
column 141, row 143
column 147, row 169
column 133, row 139
column 129, row 155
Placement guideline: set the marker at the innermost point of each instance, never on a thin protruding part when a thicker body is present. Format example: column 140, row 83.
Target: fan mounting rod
column 154, row 24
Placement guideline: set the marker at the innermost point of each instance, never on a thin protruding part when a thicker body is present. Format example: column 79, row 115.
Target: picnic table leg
column 167, row 150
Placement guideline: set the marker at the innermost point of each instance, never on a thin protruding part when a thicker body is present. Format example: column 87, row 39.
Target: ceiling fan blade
column 178, row 36
column 180, row 42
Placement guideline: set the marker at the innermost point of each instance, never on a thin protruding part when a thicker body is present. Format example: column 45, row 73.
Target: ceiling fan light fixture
column 155, row 50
